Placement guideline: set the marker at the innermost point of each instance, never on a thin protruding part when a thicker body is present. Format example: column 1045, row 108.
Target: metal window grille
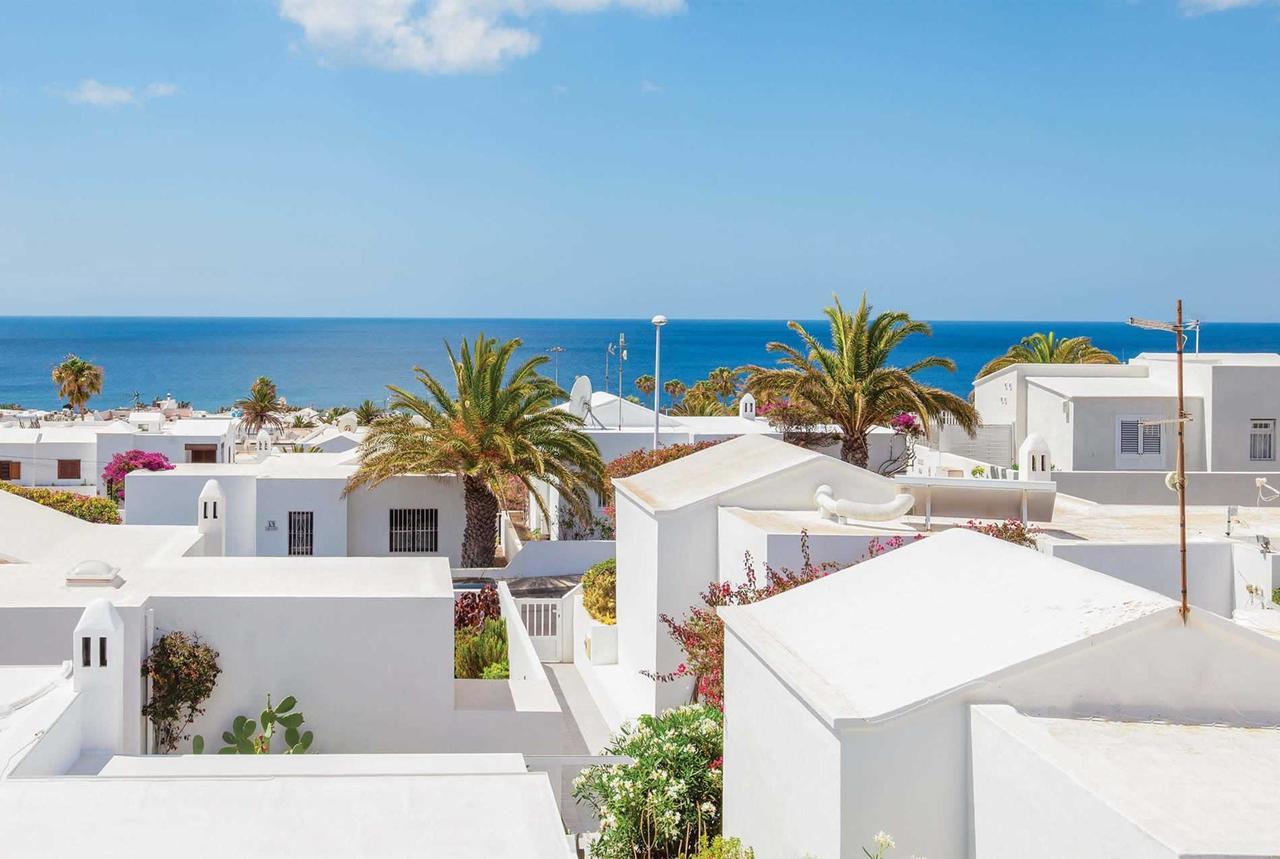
column 301, row 532
column 415, row 529
column 540, row 617
column 1262, row 439
column 1137, row 438
column 1151, row 438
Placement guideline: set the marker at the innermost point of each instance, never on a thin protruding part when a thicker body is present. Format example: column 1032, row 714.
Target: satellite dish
column 1171, row 481
column 580, row 396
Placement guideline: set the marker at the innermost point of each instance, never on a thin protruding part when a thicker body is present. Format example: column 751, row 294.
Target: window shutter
column 1151, row 439
column 1129, row 437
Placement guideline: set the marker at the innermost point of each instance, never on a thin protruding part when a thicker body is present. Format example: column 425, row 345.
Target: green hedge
column 90, row 508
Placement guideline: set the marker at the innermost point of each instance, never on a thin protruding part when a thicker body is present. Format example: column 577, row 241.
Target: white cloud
column 98, row 94
column 1205, row 7
column 438, row 36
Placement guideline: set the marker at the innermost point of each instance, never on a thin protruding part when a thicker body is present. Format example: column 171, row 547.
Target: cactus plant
column 244, row 738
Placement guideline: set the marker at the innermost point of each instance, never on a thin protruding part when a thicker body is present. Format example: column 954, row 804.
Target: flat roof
column 814, row 523
column 937, row 614
column 1201, row 790
column 1104, row 386
column 45, row 585
column 503, row 815
column 1234, row 359
column 730, row 464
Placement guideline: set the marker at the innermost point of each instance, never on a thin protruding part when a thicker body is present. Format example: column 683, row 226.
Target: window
column 415, row 529
column 1262, row 440
column 102, row 652
column 86, row 649
column 1137, row 439
column 202, row 453
column 68, row 469
column 301, row 532
column 10, row 470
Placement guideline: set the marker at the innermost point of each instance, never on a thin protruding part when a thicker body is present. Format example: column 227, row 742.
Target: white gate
column 541, row 617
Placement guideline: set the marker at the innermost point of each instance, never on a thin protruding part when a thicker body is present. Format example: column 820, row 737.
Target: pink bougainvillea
column 131, row 460
column 906, row 423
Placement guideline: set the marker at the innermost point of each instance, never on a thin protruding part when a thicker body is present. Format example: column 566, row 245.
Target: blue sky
column 705, row 158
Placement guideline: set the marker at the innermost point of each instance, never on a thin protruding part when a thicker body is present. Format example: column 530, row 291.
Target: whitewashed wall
column 171, row 498
column 368, row 514
column 1155, row 566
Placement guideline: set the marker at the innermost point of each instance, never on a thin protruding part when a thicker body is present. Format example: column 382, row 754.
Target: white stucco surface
column 1018, row 604
column 1068, row 787
column 343, row 815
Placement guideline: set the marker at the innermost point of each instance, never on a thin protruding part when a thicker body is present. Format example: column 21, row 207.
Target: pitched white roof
column 928, row 618
column 37, row 534
column 1201, row 790
column 717, row 469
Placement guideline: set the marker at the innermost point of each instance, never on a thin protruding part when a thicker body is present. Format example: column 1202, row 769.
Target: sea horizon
column 325, row 361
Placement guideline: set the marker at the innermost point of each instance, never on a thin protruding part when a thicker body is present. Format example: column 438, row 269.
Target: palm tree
column 261, row 408
column 675, row 389
column 77, row 381
column 850, row 383
column 1039, row 348
column 701, row 400
column 644, row 384
column 723, row 382
column 500, row 426
column 367, row 412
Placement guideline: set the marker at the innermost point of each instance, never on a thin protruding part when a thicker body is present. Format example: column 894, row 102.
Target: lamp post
column 556, row 350
column 1179, row 330
column 658, row 322
column 622, row 357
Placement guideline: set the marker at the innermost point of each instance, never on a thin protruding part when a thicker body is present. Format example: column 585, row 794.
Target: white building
column 861, row 700
column 74, row 453
column 1099, row 419
column 294, row 504
column 619, row 427
column 68, row 746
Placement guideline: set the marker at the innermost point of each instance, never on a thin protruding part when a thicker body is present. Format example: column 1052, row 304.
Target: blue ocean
column 326, row 362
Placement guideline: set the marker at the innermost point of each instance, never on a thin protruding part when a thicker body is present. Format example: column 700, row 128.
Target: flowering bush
column 90, row 508
column 723, row 848
column 599, row 591
column 642, row 460
column 700, row 633
column 472, row 608
column 131, row 460
column 668, row 799
column 906, row 424
column 1010, row 530
column 183, row 671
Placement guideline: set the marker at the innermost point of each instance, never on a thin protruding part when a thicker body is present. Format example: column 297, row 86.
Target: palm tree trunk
column 480, row 535
column 853, row 448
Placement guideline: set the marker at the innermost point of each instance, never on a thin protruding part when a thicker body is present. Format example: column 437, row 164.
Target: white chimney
column 747, row 407
column 1034, row 460
column 211, row 518
column 98, row 672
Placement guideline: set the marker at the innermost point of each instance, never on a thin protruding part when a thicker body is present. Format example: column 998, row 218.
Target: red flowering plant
column 905, row 423
column 131, row 460
column 700, row 633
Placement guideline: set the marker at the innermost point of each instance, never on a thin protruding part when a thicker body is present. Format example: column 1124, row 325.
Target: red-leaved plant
column 700, row 633
column 472, row 608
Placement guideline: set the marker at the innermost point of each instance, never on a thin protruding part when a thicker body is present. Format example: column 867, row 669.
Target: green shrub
column 721, row 848
column 90, row 508
column 666, row 801
column 599, row 591
column 475, row 650
column 496, row 671
column 1275, row 595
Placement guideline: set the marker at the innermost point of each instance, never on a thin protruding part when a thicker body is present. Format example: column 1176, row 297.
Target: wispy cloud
column 1206, row 7
column 648, row 87
column 438, row 36
column 98, row 94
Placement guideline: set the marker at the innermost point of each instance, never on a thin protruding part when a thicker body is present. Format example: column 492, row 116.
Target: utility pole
column 1179, row 330
column 556, row 350
column 622, row 357
column 658, row 322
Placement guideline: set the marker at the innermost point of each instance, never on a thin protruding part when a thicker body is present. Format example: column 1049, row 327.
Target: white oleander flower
column 884, row 841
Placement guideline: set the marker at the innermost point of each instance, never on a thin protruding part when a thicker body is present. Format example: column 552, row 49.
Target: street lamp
column 658, row 322
column 556, row 350
column 1179, row 330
